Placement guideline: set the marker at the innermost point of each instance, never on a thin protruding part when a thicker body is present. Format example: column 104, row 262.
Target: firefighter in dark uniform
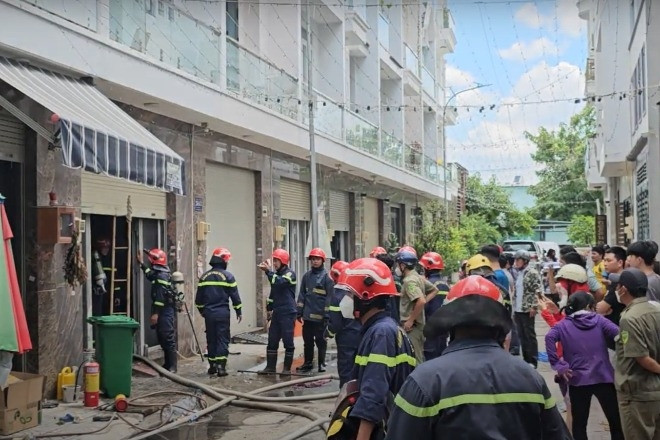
column 281, row 308
column 346, row 331
column 476, row 389
column 384, row 358
column 316, row 289
column 381, row 254
column 433, row 265
column 163, row 304
column 216, row 287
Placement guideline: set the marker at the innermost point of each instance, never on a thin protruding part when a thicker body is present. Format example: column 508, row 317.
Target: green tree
column 582, row 231
column 493, row 205
column 562, row 189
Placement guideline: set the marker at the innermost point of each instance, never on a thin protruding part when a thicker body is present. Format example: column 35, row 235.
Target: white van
column 546, row 246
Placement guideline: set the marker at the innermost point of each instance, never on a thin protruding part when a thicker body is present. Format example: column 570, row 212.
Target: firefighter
column 281, row 308
column 475, row 389
column 346, row 331
column 163, row 304
column 313, row 303
column 216, row 287
column 433, row 265
column 384, row 358
column 381, row 254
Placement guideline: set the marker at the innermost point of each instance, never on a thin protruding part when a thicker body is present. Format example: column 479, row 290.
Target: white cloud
column 564, row 17
column 495, row 142
column 521, row 51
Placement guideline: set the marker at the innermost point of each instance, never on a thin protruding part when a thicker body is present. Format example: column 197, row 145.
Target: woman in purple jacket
column 585, row 364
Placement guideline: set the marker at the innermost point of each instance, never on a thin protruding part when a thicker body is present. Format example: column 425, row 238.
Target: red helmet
column 316, row 252
column 337, row 269
column 222, row 253
column 432, row 260
column 281, row 255
column 377, row 251
column 157, row 256
column 407, row 248
column 474, row 285
column 368, row 278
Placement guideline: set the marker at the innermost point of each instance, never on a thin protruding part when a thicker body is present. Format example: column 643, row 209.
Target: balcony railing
column 412, row 61
column 590, row 74
column 327, row 116
column 361, row 133
column 359, row 7
column 384, row 31
column 80, row 12
column 447, row 19
column 428, row 82
column 392, row 149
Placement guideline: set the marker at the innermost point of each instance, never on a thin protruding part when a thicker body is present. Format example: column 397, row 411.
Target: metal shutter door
column 232, row 215
column 371, row 223
column 340, row 211
column 295, row 200
column 12, row 138
column 108, row 195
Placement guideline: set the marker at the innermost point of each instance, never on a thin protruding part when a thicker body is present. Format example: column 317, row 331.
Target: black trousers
column 581, row 403
column 313, row 333
column 527, row 336
column 217, row 337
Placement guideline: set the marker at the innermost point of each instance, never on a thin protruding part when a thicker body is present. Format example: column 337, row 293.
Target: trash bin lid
column 114, row 321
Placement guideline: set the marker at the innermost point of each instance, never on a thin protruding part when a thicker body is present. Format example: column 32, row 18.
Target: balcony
column 428, row 83
column 590, row 77
column 82, row 13
column 583, row 9
column 356, row 29
column 451, row 115
column 447, row 38
column 384, row 32
column 592, row 167
column 412, row 83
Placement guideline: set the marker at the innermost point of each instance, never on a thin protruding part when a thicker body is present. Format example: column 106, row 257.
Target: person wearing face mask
column 637, row 369
column 585, row 363
column 346, row 331
column 384, row 358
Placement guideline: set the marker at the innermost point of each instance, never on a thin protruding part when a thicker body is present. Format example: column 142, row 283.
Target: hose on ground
column 210, row 391
column 305, row 429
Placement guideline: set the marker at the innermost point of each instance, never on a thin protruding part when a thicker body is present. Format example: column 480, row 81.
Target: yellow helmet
column 476, row 262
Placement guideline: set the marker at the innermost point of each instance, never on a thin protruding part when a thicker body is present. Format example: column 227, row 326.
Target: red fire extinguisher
column 92, row 374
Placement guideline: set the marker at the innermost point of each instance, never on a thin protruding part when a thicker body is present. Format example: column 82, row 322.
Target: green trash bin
column 114, row 352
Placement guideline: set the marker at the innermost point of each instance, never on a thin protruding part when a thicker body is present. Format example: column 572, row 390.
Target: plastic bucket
column 70, row 393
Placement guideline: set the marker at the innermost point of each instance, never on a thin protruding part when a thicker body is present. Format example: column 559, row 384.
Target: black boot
column 222, row 365
column 308, row 365
column 213, row 368
column 322, row 360
column 288, row 360
column 271, row 362
column 172, row 359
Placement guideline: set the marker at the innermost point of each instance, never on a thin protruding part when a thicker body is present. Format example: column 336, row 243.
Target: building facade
column 184, row 125
column 622, row 77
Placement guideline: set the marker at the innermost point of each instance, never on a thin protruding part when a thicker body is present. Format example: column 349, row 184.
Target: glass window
column 232, row 20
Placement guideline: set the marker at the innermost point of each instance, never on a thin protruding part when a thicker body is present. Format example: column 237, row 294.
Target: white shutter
column 108, row 196
column 295, row 200
column 12, row 138
column 340, row 211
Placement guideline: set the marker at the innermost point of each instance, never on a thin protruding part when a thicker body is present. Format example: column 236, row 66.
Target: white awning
column 96, row 134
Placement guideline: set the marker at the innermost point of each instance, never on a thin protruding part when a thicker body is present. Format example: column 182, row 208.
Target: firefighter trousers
column 313, row 333
column 166, row 329
column 281, row 329
column 217, row 338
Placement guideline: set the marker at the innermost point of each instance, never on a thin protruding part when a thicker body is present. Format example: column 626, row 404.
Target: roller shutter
column 371, row 223
column 295, row 200
column 108, row 196
column 340, row 211
column 12, row 138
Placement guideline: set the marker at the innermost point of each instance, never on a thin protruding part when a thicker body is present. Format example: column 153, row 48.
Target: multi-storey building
column 622, row 77
column 198, row 110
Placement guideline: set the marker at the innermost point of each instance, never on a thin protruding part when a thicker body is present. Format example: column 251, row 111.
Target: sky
column 528, row 52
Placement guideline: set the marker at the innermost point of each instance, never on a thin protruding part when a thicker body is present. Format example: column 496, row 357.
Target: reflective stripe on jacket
column 216, row 287
column 282, row 298
column 345, row 331
column 475, row 390
column 161, row 285
column 315, row 292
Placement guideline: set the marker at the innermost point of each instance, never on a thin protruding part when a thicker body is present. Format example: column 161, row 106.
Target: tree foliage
column 562, row 189
column 493, row 205
column 582, row 231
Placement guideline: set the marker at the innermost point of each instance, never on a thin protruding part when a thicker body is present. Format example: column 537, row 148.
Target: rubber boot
column 172, row 359
column 288, row 360
column 322, row 366
column 213, row 368
column 222, row 368
column 308, row 365
column 271, row 363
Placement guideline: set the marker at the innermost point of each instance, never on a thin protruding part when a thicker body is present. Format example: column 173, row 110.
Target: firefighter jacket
column 383, row 361
column 431, row 306
column 315, row 292
column 161, row 287
column 216, row 287
column 345, row 331
column 475, row 390
column 282, row 298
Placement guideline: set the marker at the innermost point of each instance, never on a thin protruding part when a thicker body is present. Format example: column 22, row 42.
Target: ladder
column 126, row 251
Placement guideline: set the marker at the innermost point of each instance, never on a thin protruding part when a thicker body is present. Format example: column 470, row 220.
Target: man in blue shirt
column 492, row 252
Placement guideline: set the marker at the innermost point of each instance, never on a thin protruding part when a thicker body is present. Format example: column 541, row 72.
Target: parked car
column 546, row 246
column 511, row 246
